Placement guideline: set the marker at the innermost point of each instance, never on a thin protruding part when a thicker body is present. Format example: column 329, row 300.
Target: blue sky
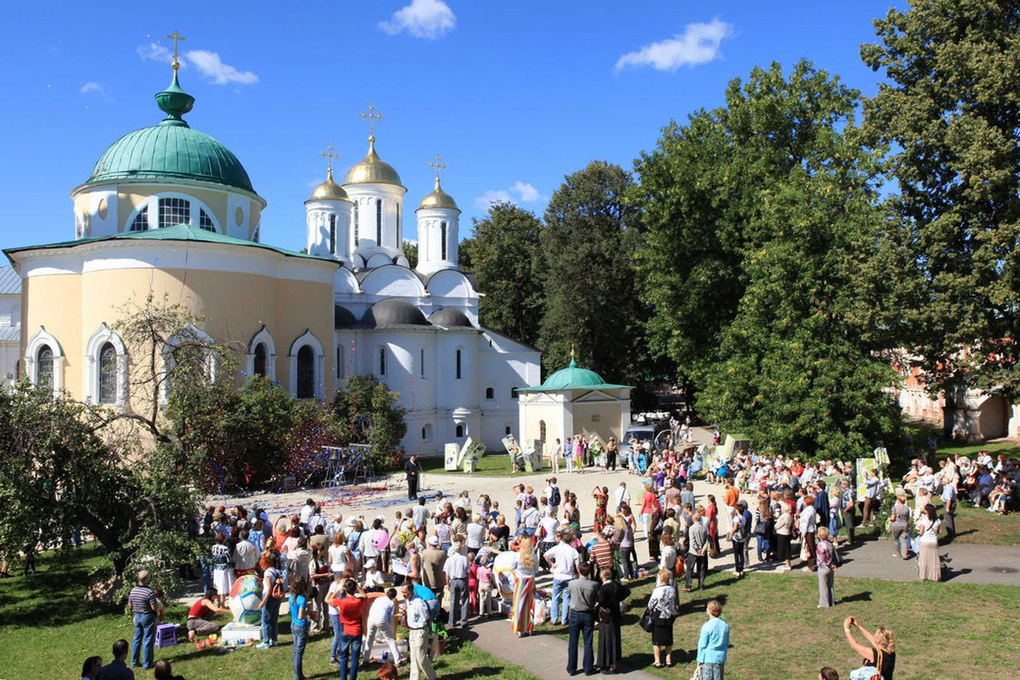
column 513, row 95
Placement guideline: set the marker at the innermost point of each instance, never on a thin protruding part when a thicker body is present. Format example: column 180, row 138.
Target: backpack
column 837, row 559
column 554, row 497
column 277, row 590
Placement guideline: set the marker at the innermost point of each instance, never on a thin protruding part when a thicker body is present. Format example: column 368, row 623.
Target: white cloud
column 212, row 67
column 698, row 44
column 155, row 52
column 91, row 86
column 520, row 192
column 429, row 19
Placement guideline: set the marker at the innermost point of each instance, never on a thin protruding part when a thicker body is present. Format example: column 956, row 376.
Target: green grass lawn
column 489, row 465
column 949, row 447
column 943, row 630
column 46, row 631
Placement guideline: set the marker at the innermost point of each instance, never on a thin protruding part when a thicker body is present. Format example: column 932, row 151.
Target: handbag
column 646, row 621
column 696, row 675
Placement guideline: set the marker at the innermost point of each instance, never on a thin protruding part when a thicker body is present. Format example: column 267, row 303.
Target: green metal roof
column 171, row 151
column 573, row 378
column 179, row 232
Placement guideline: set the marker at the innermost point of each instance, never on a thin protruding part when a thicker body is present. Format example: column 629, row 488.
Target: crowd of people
column 441, row 562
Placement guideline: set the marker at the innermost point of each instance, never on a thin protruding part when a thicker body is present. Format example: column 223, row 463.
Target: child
column 486, row 584
column 472, row 584
column 373, row 577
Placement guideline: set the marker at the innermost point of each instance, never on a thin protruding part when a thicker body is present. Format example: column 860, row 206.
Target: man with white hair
column 144, row 605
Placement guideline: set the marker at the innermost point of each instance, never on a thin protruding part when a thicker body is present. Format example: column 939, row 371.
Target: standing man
column 420, row 514
column 433, row 559
column 564, row 559
column 552, row 494
column 612, row 452
column 849, row 510
column 412, row 470
column 416, row 616
column 456, row 570
column 872, row 485
column 144, row 606
column 554, row 457
column 583, row 595
column 697, row 552
column 949, row 510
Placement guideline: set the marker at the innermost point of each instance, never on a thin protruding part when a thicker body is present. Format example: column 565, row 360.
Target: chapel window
column 332, row 234
column 460, row 430
column 421, row 364
column 442, row 240
column 357, row 226
column 44, row 367
column 382, row 361
column 305, row 373
column 108, row 374
column 458, row 365
column 205, row 222
column 260, row 359
column 174, row 211
column 378, row 221
column 141, row 221
column 490, row 393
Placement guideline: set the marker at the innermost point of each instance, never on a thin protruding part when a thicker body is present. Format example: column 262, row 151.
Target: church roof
column 171, row 150
column 343, row 317
column 574, row 378
column 179, row 232
column 10, row 281
column 372, row 169
column 439, row 199
column 393, row 313
column 451, row 318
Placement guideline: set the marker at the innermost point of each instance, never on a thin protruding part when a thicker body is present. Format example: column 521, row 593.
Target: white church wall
column 393, row 281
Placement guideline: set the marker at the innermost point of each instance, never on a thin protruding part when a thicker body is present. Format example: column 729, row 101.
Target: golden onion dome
column 372, row 170
column 329, row 190
column 439, row 199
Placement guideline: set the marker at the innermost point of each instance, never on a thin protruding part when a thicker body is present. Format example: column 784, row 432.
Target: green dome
column 572, row 377
column 171, row 151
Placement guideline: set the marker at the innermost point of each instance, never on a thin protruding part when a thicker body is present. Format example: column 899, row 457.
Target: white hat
column 433, row 540
column 369, row 564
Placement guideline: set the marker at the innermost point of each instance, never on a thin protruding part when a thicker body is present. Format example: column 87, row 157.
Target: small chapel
column 168, row 211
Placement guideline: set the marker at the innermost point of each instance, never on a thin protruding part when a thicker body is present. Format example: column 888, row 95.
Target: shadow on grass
column 864, row 596
column 477, row 672
column 54, row 595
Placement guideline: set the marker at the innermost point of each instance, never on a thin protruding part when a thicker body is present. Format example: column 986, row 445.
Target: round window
column 239, row 216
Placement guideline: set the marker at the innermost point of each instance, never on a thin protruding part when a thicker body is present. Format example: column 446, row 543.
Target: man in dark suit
column 413, row 471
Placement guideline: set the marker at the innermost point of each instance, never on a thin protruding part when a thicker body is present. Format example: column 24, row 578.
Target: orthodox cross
column 438, row 165
column 329, row 154
column 373, row 118
column 176, row 37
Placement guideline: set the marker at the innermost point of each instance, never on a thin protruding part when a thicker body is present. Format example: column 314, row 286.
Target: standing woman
column 662, row 607
column 649, row 504
column 299, row 624
column 784, row 528
column 223, row 571
column 899, row 517
column 339, row 553
column 320, row 573
column 764, row 528
column 824, row 556
column 611, row 595
column 524, row 588
column 928, row 545
column 712, row 518
column 601, row 496
column 628, row 556
column 808, row 525
column 738, row 536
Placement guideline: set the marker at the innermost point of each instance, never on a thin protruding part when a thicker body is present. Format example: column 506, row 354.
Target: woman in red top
column 649, row 504
column 200, row 621
column 712, row 514
column 352, row 612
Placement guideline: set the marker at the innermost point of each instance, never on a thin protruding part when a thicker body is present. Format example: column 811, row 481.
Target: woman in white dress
column 928, row 545
column 223, row 570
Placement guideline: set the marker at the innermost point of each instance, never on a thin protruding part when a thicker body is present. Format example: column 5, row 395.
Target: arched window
column 339, row 362
column 400, row 230
column 506, row 430
column 490, row 393
column 332, row 234
column 306, row 373
column 458, row 366
column 44, row 367
column 378, row 221
column 513, row 393
column 357, row 226
column 173, row 211
column 260, row 359
column 541, row 430
column 108, row 374
column 141, row 221
column 443, row 245
column 460, row 431
column 421, row 364
column 205, row 222
column 382, row 361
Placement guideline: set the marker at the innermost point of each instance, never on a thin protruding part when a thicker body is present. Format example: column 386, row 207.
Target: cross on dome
column 438, row 165
column 329, row 154
column 176, row 37
column 373, row 117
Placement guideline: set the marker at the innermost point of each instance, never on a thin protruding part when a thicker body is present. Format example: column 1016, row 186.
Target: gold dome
column 439, row 199
column 372, row 170
column 329, row 190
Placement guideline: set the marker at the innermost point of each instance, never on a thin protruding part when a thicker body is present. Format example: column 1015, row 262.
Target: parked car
column 642, row 433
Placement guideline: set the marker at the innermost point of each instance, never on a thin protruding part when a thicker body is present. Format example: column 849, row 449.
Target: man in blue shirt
column 117, row 669
column 713, row 643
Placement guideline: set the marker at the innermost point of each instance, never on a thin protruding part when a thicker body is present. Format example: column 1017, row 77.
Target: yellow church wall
column 235, row 305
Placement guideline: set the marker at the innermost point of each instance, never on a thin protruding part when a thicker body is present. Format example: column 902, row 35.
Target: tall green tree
column 503, row 253
column 366, row 412
column 761, row 260
column 591, row 297
column 951, row 110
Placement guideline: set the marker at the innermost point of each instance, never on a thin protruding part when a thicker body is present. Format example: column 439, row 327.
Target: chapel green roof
column 171, row 150
column 178, row 232
column 574, row 378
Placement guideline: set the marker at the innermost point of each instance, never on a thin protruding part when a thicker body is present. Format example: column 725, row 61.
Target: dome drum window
column 141, row 220
column 206, row 222
column 169, row 210
column 173, row 211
